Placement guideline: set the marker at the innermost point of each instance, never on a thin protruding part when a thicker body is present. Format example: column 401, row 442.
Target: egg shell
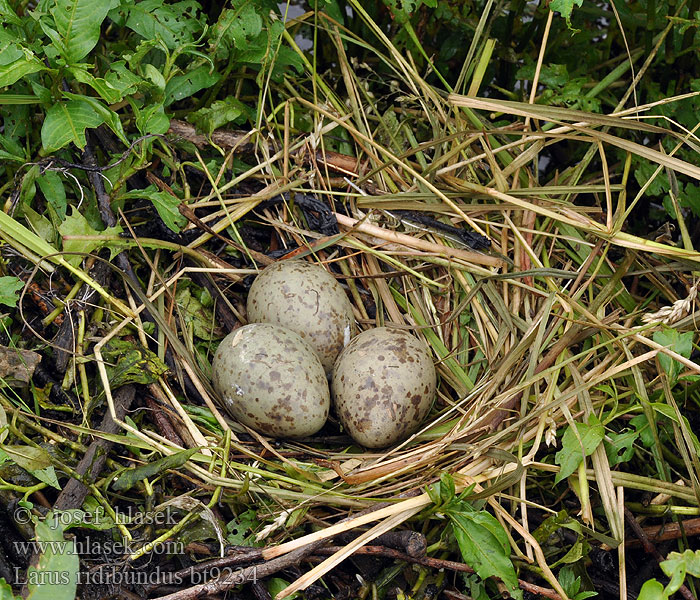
column 383, row 386
column 305, row 298
column 271, row 380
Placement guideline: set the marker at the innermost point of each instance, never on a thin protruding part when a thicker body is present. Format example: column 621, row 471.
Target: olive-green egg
column 272, row 381
column 305, row 298
column 383, row 386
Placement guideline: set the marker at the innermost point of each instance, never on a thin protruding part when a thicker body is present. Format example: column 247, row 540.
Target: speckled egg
column 272, row 381
column 307, row 299
column 383, row 386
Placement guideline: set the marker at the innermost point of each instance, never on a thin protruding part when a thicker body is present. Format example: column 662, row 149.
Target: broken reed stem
column 418, row 243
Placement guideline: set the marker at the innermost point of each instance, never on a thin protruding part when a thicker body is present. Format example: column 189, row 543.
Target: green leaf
column 652, row 590
column 40, row 224
column 51, row 185
column 568, row 580
column 131, row 363
column 184, row 86
column 576, row 444
column 199, row 317
column 220, row 113
column 56, row 575
column 47, row 476
column 151, row 119
column 681, row 343
column 29, row 458
column 176, row 24
column 276, row 584
column 78, row 23
column 9, row 288
column 551, row 524
column 105, row 89
column 7, row 15
column 6, row 590
column 565, row 8
column 122, row 79
column 233, row 29
column 675, row 567
column 482, row 549
column 109, row 117
column 17, row 69
column 166, row 204
column 76, row 224
column 620, row 448
column 130, row 477
column 66, row 122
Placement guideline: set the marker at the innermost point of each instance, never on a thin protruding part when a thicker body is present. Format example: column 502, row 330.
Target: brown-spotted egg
column 271, row 380
column 383, row 386
column 305, row 298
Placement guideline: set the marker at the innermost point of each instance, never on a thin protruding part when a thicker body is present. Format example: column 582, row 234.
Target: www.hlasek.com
column 113, row 575
column 93, row 547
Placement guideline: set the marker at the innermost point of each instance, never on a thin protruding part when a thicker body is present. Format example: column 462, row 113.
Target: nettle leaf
column 644, row 171
column 233, row 29
column 9, row 289
column 681, row 343
column 176, row 24
column 184, row 86
column 77, row 224
column 66, row 122
column 402, row 9
column 78, row 23
column 576, row 444
column 196, row 315
column 220, row 113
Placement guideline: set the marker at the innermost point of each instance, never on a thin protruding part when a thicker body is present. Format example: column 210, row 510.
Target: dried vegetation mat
column 565, row 348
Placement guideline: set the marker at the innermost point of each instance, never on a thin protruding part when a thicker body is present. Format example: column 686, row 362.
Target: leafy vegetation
column 516, row 183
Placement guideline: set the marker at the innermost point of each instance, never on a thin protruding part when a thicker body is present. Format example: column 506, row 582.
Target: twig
column 668, row 531
column 252, row 573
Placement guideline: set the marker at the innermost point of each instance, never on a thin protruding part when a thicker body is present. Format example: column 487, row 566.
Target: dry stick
column 252, row 573
column 417, row 243
column 649, row 548
column 668, row 531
